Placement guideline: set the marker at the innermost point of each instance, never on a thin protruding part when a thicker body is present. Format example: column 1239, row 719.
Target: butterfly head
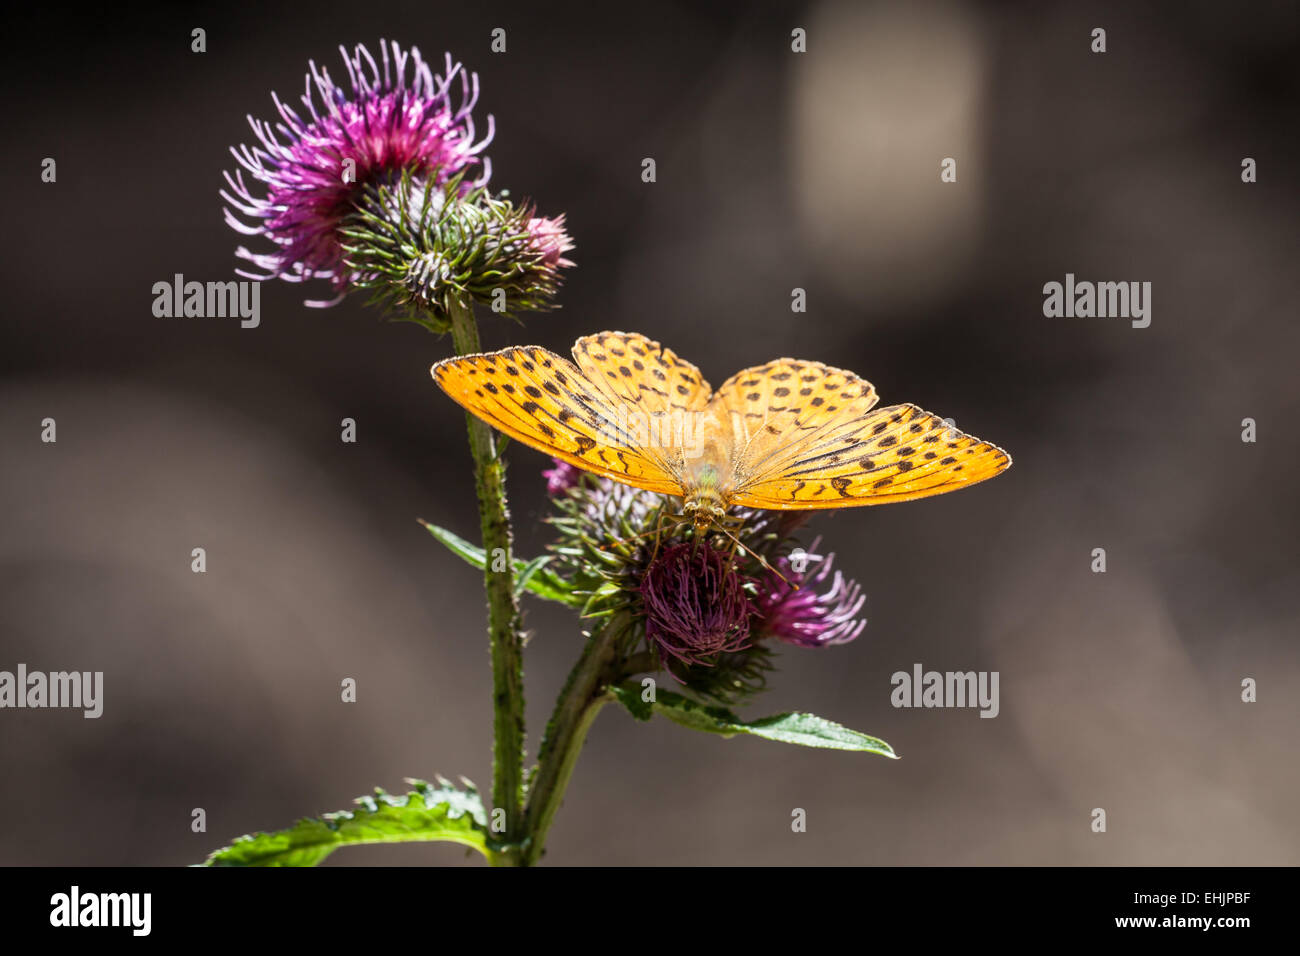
column 704, row 509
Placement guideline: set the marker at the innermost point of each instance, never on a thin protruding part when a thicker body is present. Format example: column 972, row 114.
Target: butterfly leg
column 673, row 521
column 737, row 523
column 653, row 533
column 727, row 525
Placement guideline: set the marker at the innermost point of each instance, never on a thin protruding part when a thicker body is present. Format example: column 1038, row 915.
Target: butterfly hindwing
column 786, row 407
column 546, row 402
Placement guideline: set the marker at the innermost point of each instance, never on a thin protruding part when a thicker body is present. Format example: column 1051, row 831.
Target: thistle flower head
column 817, row 614
column 395, row 117
column 418, row 247
column 712, row 614
column 594, row 514
column 561, row 477
column 696, row 606
column 548, row 239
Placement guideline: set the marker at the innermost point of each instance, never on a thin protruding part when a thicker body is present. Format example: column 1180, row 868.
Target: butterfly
column 788, row 435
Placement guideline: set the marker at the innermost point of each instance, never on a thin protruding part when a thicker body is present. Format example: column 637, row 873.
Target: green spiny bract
column 419, row 247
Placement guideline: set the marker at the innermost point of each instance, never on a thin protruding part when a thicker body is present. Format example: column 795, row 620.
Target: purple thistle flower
column 386, row 125
column 561, row 478
column 551, row 241
column 805, row 617
column 695, row 604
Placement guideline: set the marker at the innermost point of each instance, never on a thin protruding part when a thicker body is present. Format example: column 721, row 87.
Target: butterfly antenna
column 643, row 534
column 761, row 559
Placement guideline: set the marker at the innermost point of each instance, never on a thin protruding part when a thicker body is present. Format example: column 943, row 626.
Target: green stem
column 583, row 696
column 504, row 628
column 642, row 663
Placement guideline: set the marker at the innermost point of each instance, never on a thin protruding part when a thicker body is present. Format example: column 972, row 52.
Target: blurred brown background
column 775, row 170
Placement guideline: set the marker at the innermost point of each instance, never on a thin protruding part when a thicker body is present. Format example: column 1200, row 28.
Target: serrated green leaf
column 425, row 814
column 806, row 730
column 538, row 580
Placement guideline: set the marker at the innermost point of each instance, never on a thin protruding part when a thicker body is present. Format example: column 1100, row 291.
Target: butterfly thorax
column 704, row 498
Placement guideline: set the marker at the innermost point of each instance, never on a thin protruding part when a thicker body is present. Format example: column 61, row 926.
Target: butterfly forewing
column 663, row 399
column 891, row 454
column 635, row 369
column 544, row 401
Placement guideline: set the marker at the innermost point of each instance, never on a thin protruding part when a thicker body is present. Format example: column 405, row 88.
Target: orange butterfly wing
column 546, row 402
column 805, row 436
column 799, row 435
column 628, row 367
